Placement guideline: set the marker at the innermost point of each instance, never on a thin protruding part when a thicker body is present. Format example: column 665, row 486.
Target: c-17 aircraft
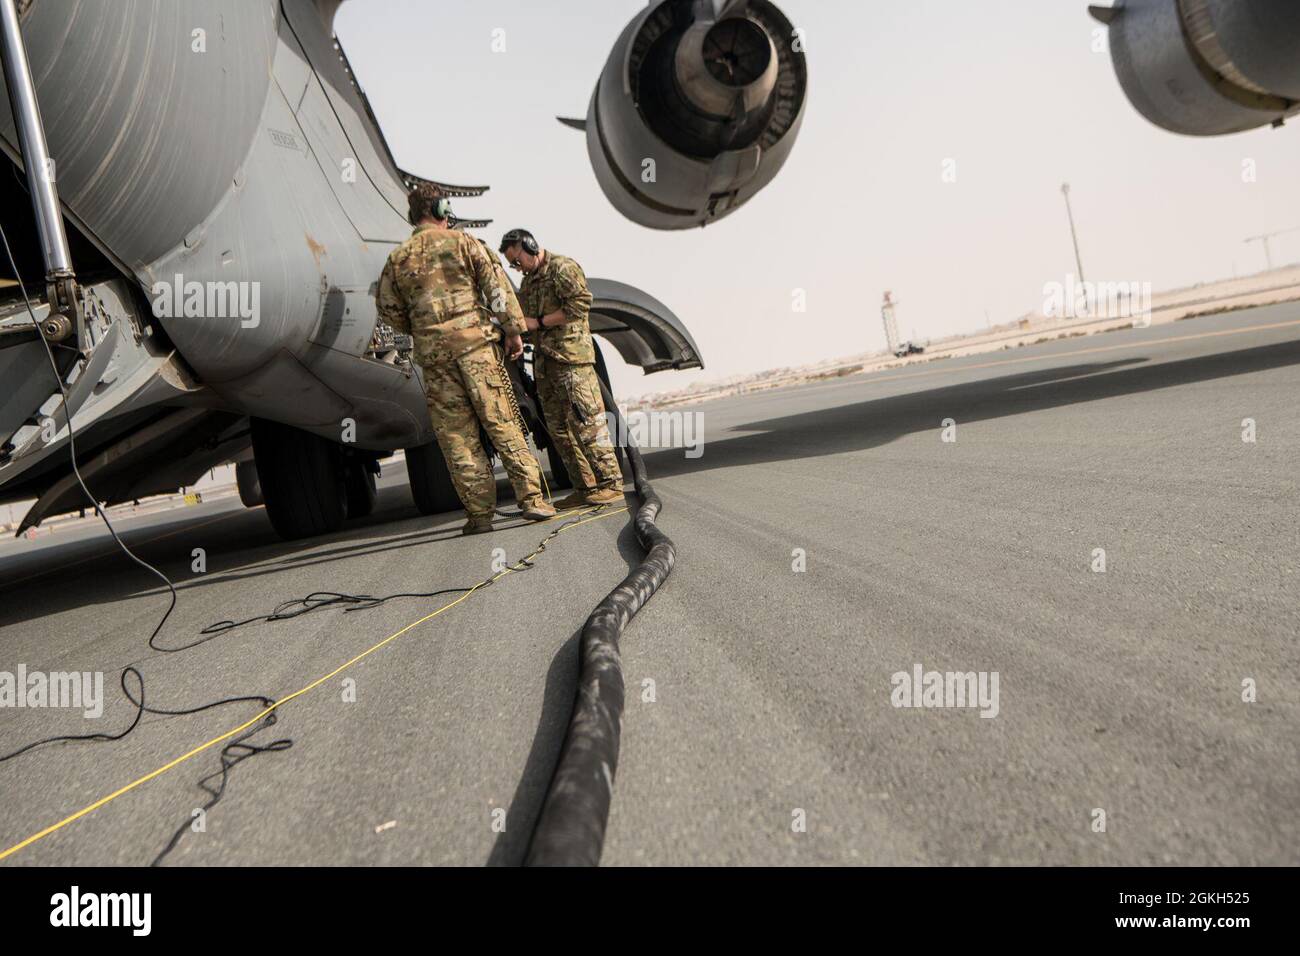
column 201, row 200
column 202, row 252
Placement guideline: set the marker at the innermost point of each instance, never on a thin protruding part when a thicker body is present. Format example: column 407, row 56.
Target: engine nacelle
column 696, row 110
column 1207, row 67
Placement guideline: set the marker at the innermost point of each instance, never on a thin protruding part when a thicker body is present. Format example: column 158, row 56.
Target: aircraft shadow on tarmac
column 855, row 427
column 246, row 534
column 259, row 552
column 878, row 421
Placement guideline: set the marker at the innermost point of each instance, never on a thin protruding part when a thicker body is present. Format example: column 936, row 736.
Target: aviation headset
column 439, row 208
column 525, row 240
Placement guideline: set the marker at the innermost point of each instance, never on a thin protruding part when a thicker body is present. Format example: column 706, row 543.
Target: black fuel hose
column 570, row 829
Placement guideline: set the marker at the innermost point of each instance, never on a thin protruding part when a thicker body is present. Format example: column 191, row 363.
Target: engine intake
column 696, row 110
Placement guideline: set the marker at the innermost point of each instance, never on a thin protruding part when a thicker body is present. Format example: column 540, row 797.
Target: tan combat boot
column 536, row 509
column 575, row 500
column 605, row 496
column 477, row 524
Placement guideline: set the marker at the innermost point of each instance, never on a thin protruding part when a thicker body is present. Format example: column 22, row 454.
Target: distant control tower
column 891, row 324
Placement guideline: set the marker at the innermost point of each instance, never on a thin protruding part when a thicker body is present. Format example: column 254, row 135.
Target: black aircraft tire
column 361, row 488
column 250, row 487
column 431, row 485
column 302, row 479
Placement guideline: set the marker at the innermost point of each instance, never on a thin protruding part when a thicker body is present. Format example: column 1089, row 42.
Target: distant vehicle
column 908, row 348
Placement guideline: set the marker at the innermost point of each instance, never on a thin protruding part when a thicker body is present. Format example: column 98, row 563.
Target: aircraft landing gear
column 302, row 478
column 360, row 477
column 250, row 487
column 431, row 485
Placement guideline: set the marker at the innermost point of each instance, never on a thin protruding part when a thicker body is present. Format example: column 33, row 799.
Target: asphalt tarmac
column 830, row 543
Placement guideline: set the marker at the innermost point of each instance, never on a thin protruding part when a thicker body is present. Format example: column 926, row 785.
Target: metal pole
column 31, row 136
column 40, row 172
column 1074, row 235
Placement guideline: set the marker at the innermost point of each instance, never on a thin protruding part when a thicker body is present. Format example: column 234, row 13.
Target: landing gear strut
column 359, row 477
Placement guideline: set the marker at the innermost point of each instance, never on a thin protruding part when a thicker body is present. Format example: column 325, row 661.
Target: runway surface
column 771, row 737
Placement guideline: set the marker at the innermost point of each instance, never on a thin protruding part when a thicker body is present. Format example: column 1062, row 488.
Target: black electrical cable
column 72, row 444
column 320, row 599
column 232, row 754
column 238, row 750
column 364, row 602
column 570, row 829
column 141, row 709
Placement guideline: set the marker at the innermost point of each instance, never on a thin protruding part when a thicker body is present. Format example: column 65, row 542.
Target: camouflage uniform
column 434, row 288
column 564, row 364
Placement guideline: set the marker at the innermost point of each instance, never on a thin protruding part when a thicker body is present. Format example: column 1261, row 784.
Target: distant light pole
column 1074, row 235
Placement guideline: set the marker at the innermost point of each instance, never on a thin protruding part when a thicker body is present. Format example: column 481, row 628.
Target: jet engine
column 1207, row 67
column 697, row 109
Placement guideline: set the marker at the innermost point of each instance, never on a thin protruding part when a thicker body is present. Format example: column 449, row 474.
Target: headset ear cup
column 521, row 237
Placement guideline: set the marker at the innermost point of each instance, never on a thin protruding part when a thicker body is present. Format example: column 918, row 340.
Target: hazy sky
column 1009, row 89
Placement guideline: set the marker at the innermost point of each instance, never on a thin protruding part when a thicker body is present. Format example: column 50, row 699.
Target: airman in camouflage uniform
column 556, row 304
column 439, row 287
